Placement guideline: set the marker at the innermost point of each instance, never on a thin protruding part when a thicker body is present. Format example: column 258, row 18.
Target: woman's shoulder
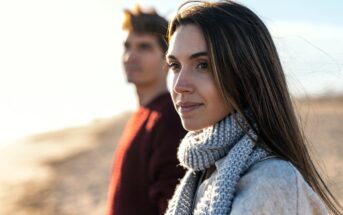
column 275, row 186
column 272, row 169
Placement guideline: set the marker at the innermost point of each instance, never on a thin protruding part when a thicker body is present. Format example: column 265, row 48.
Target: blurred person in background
column 245, row 152
column 145, row 169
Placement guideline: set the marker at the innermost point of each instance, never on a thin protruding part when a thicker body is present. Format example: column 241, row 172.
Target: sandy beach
column 66, row 172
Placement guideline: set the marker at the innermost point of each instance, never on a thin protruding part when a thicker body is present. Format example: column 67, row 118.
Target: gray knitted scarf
column 200, row 150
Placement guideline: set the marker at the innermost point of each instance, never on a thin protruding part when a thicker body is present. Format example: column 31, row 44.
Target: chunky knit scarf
column 200, row 150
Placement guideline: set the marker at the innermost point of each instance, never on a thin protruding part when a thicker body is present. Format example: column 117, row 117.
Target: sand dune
column 67, row 171
column 62, row 172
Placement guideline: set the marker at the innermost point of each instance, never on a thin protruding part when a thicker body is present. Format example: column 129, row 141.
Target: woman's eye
column 173, row 66
column 203, row 65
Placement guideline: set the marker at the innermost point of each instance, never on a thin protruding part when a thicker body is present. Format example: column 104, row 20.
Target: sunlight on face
column 195, row 95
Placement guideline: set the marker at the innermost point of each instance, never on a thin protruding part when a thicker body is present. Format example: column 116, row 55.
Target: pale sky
column 60, row 60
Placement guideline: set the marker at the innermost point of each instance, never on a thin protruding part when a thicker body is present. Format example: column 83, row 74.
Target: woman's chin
column 193, row 126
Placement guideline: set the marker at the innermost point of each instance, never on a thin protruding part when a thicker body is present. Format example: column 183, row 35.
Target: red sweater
column 145, row 170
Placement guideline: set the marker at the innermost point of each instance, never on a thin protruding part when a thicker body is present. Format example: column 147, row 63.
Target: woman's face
column 195, row 95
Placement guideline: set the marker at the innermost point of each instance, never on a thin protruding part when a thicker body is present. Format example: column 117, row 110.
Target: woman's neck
column 209, row 172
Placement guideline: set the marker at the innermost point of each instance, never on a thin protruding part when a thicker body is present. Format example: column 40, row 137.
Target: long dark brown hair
column 247, row 71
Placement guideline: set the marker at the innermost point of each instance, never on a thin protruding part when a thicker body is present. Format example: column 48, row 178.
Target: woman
column 244, row 152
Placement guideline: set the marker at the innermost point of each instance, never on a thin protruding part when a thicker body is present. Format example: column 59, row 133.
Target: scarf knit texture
column 200, row 150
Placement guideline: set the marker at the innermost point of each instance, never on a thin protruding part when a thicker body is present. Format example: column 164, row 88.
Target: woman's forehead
column 186, row 40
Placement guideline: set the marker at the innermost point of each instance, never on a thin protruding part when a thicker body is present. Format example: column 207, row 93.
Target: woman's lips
column 187, row 107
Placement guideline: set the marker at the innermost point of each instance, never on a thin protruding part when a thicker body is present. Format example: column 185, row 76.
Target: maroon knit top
column 145, row 170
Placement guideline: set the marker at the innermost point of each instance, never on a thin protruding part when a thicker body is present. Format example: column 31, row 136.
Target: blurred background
column 64, row 99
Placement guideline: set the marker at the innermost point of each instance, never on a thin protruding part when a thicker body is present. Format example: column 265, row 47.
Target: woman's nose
column 182, row 82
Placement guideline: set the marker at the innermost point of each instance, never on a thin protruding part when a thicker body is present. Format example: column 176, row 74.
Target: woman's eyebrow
column 198, row 54
column 170, row 57
column 195, row 55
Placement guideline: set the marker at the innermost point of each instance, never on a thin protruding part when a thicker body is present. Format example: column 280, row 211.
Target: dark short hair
column 147, row 22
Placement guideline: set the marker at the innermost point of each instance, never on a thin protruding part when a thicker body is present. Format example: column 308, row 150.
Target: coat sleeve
column 275, row 187
column 164, row 169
